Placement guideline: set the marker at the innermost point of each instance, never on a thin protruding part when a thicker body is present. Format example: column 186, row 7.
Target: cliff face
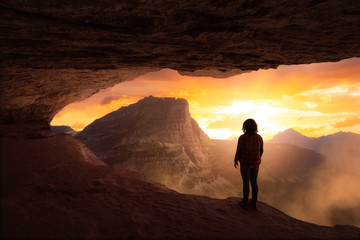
column 150, row 119
column 157, row 137
column 147, row 123
column 58, row 52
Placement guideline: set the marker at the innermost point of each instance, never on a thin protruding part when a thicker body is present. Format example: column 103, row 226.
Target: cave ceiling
column 56, row 52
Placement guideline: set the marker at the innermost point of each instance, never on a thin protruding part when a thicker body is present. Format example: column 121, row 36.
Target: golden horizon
column 315, row 99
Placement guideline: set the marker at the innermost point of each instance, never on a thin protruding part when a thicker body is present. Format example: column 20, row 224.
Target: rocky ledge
column 55, row 188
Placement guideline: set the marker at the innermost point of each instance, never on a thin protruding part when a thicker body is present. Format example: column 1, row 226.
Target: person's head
column 250, row 126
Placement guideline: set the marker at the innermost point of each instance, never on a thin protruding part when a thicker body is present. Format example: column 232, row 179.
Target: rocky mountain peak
column 155, row 107
column 290, row 132
column 291, row 136
column 150, row 119
column 155, row 136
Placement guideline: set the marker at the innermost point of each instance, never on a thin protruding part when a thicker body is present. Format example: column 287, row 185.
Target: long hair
column 250, row 126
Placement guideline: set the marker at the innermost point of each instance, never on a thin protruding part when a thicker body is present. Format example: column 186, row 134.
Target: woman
column 248, row 153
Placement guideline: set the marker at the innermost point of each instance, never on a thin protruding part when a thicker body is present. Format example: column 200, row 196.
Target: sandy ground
column 54, row 187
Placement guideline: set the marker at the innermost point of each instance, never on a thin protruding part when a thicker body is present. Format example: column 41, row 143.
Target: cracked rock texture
column 56, row 52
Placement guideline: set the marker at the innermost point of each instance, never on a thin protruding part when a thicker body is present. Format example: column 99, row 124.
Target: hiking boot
column 244, row 204
column 253, row 205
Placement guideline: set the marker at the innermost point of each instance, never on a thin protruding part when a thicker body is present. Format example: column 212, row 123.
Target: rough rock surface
column 150, row 123
column 36, row 95
column 53, row 188
column 150, row 119
column 51, row 51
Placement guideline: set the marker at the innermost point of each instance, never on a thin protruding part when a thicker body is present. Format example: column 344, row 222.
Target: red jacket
column 249, row 149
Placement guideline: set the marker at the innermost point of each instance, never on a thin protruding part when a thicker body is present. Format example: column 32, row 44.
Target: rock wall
column 55, row 52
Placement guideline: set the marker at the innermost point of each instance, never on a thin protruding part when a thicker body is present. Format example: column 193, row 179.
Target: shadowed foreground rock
column 54, row 187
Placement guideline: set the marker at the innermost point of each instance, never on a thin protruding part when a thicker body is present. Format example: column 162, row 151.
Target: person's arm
column 237, row 154
column 261, row 147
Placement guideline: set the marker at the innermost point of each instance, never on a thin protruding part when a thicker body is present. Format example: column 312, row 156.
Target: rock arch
column 55, row 53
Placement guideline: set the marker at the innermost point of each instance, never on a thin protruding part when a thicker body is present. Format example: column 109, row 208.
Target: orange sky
column 315, row 99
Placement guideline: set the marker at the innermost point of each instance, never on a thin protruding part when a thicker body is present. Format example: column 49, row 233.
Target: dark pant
column 249, row 173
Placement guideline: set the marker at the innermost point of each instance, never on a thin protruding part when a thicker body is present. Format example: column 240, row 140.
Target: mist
column 333, row 196
column 303, row 183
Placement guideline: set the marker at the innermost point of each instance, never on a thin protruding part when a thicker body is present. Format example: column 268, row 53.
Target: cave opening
column 314, row 101
column 54, row 53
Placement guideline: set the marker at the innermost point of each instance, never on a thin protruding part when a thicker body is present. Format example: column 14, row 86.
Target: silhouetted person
column 248, row 153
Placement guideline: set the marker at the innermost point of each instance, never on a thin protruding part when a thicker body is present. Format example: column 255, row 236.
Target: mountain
column 320, row 144
column 157, row 137
column 152, row 118
column 341, row 149
column 63, row 129
column 291, row 136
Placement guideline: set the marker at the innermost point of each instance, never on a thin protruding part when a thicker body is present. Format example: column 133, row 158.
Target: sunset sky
column 315, row 99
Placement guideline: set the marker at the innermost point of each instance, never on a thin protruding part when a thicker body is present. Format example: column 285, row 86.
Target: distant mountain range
column 291, row 136
column 341, row 149
column 63, row 129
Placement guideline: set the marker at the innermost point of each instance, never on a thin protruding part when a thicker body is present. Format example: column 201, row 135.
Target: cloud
column 339, row 90
column 309, row 131
column 111, row 98
column 233, row 124
column 78, row 126
column 349, row 122
column 310, row 104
